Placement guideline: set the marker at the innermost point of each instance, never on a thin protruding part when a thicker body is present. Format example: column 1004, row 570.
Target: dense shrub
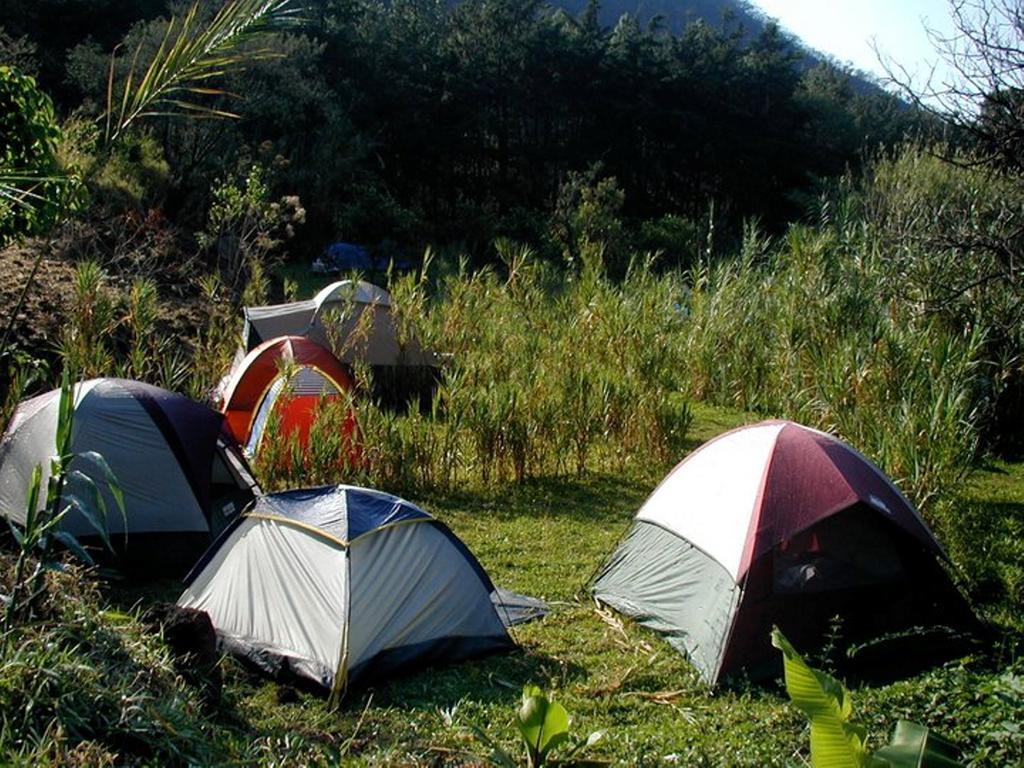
column 946, row 237
column 31, row 194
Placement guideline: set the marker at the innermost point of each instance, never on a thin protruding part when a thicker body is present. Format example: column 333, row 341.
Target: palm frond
column 188, row 55
column 19, row 188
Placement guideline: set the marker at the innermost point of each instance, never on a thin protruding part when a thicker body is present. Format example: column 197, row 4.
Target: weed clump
column 85, row 685
column 540, row 378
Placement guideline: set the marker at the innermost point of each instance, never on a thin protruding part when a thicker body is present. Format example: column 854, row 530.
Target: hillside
column 675, row 13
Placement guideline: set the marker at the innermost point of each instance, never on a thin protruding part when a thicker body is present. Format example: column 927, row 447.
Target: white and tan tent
column 353, row 319
column 342, row 584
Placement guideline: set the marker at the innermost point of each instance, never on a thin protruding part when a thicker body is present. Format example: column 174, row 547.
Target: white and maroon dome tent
column 776, row 524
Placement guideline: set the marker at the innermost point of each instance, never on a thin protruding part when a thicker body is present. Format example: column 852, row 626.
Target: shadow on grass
column 987, row 542
column 495, row 679
column 99, row 680
column 987, row 464
column 136, row 596
column 492, row 679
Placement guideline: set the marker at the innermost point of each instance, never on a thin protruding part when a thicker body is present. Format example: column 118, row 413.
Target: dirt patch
column 182, row 309
column 38, row 323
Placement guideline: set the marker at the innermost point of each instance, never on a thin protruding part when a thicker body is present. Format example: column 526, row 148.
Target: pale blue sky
column 845, row 29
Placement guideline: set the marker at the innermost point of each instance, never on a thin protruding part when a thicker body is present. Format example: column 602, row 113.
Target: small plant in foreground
column 543, row 725
column 837, row 741
column 35, row 539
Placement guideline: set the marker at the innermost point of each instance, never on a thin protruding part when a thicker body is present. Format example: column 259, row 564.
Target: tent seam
column 299, row 524
column 341, row 671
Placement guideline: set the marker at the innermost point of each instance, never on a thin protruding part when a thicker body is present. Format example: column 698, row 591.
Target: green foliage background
column 31, row 190
column 642, row 239
column 510, row 97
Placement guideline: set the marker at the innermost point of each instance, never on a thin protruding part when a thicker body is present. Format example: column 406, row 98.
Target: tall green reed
column 806, row 333
column 216, row 343
column 84, row 341
column 539, row 376
column 116, row 332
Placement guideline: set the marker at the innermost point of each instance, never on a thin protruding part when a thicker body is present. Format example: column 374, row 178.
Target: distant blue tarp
column 344, row 257
column 348, row 257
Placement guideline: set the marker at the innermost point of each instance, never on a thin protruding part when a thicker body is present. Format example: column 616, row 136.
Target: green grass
column 992, row 529
column 545, row 537
column 307, row 282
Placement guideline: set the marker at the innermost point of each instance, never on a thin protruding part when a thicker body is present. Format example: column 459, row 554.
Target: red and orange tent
column 287, row 377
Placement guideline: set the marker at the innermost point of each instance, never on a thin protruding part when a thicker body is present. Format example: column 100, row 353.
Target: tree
column 982, row 96
column 970, row 239
column 52, row 27
column 845, row 121
column 19, row 53
column 31, row 183
column 179, row 75
column 191, row 56
column 982, row 100
column 176, row 80
column 245, row 226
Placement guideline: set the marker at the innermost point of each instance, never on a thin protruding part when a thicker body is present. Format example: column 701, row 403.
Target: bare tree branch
column 981, row 91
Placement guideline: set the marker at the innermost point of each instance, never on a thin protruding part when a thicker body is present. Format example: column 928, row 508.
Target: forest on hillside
column 401, row 123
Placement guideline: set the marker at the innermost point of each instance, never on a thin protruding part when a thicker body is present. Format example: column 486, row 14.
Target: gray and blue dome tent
column 181, row 473
column 338, row 585
column 357, row 323
column 334, row 319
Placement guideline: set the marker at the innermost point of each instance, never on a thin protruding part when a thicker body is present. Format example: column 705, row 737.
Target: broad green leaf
column 74, row 546
column 544, row 724
column 912, row 746
column 94, row 513
column 835, row 742
column 16, row 532
column 65, row 414
column 108, row 475
column 32, row 511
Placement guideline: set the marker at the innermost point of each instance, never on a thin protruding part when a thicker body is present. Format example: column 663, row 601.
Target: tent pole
column 341, row 672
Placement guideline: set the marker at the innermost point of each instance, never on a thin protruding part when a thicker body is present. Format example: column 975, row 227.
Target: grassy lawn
column 545, row 538
column 307, row 283
column 93, row 685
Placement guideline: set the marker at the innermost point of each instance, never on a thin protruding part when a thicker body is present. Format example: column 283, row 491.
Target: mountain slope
column 675, row 13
